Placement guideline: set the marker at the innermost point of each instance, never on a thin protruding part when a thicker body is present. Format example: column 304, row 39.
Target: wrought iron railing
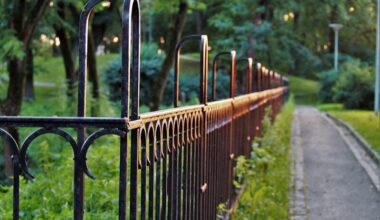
column 180, row 160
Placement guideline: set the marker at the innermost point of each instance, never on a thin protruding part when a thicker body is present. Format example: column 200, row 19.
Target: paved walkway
column 335, row 186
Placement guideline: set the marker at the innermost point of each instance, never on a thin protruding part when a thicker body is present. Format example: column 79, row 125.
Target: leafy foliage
column 150, row 66
column 10, row 46
column 327, row 81
column 354, row 86
column 266, row 174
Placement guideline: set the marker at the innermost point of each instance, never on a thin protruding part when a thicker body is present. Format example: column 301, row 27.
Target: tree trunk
column 198, row 22
column 12, row 105
column 29, row 83
column 24, row 25
column 93, row 75
column 68, row 60
column 159, row 86
column 66, row 51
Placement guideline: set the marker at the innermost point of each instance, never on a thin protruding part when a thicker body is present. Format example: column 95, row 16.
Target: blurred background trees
column 292, row 37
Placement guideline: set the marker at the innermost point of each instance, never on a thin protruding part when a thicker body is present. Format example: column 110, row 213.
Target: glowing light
column 51, row 4
column 44, row 38
column 352, row 9
column 291, row 14
column 57, row 42
column 162, row 40
column 115, row 39
column 325, row 46
column 106, row 4
column 286, row 17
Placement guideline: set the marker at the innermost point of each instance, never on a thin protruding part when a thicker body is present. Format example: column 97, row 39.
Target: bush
column 327, row 81
column 355, row 85
column 150, row 66
column 266, row 175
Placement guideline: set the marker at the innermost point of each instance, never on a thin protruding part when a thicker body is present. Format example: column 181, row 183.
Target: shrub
column 266, row 174
column 327, row 81
column 150, row 66
column 355, row 85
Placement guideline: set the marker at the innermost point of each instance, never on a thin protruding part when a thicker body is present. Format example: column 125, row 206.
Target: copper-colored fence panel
column 176, row 163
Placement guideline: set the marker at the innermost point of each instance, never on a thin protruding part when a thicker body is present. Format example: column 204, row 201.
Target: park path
column 330, row 182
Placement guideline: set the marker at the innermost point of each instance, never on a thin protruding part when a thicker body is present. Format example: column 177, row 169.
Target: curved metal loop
column 142, row 146
column 203, row 70
column 158, row 140
column 232, row 73
column 151, row 137
column 90, row 140
column 12, row 142
column 83, row 50
column 164, row 131
column 131, row 67
column 249, row 72
column 26, row 144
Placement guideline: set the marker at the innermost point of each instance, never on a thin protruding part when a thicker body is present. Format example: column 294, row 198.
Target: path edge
column 362, row 142
column 298, row 209
column 370, row 166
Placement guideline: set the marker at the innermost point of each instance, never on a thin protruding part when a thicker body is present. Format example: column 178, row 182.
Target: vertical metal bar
column 215, row 71
column 193, row 167
column 165, row 134
column 249, row 77
column 159, row 155
column 152, row 146
column 175, row 169
column 259, row 74
column 203, row 70
column 185, row 179
column 143, row 159
column 16, row 187
column 81, row 108
column 130, row 41
column 170, row 176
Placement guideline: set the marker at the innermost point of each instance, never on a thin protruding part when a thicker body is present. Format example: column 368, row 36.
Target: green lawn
column 305, row 91
column 364, row 122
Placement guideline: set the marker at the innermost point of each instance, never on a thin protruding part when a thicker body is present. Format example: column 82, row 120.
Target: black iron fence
column 180, row 161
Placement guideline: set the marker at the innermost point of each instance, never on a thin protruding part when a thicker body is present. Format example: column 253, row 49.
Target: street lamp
column 377, row 86
column 336, row 28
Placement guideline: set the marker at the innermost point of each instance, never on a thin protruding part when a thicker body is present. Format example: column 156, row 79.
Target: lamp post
column 336, row 28
column 377, row 85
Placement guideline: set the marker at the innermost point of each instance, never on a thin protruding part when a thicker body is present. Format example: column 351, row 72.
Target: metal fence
column 180, row 161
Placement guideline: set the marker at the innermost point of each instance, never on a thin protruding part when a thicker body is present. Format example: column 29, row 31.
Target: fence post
column 232, row 73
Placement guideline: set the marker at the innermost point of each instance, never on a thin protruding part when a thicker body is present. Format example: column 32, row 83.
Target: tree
column 22, row 19
column 175, row 35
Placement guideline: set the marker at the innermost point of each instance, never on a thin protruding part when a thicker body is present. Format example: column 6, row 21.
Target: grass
column 267, row 173
column 305, row 91
column 364, row 122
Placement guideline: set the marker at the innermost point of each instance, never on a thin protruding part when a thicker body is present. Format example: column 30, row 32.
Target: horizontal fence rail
column 181, row 161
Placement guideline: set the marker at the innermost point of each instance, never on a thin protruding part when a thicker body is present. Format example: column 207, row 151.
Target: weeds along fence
column 179, row 161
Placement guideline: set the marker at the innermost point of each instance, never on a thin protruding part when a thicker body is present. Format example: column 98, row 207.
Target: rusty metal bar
column 232, row 73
